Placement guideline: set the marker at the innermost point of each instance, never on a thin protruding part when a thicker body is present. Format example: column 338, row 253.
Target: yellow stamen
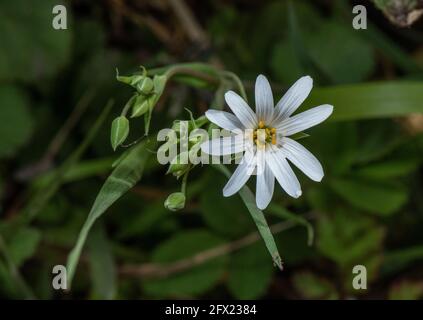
column 268, row 135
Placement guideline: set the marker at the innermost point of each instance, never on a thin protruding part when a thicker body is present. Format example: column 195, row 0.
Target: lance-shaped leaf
column 369, row 100
column 248, row 197
column 126, row 174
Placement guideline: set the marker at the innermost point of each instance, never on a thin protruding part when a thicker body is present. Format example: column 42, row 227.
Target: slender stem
column 158, row 270
column 184, row 183
column 176, row 70
column 198, row 66
column 238, row 82
column 127, row 106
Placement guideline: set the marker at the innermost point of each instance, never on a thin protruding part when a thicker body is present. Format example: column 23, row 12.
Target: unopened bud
column 179, row 165
column 175, row 201
column 140, row 106
column 145, row 86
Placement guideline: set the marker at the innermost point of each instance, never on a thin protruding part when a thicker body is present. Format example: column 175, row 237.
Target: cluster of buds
column 188, row 136
column 148, row 91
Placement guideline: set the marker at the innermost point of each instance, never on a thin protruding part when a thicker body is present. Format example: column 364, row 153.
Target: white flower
column 264, row 138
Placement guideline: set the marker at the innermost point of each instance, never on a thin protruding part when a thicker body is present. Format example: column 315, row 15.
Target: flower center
column 264, row 134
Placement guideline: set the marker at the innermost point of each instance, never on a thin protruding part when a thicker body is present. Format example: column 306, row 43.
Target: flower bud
column 175, row 201
column 145, row 86
column 119, row 131
column 179, row 165
column 141, row 106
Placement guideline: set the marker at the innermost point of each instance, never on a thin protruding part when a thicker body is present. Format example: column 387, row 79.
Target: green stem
column 181, row 70
column 238, row 83
column 184, row 183
column 128, row 105
column 204, row 72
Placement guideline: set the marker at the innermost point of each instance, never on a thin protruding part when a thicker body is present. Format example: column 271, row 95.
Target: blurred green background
column 54, row 84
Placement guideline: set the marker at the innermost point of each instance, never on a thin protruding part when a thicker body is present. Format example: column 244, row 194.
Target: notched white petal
column 305, row 120
column 224, row 146
column 224, row 120
column 264, row 99
column 292, row 99
column 265, row 186
column 241, row 109
column 240, row 176
column 302, row 159
column 283, row 172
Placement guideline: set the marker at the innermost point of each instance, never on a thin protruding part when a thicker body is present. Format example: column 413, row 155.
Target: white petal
column 303, row 159
column 265, row 182
column 224, row 120
column 305, row 120
column 224, row 146
column 264, row 99
column 240, row 175
column 292, row 99
column 241, row 109
column 280, row 167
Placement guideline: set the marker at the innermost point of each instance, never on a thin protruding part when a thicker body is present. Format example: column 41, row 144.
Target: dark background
column 54, row 84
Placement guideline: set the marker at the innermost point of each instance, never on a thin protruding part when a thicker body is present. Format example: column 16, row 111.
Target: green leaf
column 397, row 260
column 370, row 100
column 126, row 174
column 39, row 51
column 285, row 63
column 348, row 237
column 103, row 273
column 283, row 213
column 23, row 244
column 217, row 211
column 311, row 286
column 389, row 169
column 7, row 288
column 376, row 197
column 144, row 222
column 249, row 274
column 340, row 53
column 119, row 131
column 248, row 197
column 195, row 280
column 343, row 150
column 10, row 271
column 17, row 124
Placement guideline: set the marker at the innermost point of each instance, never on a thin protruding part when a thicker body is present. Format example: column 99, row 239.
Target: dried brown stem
column 156, row 270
